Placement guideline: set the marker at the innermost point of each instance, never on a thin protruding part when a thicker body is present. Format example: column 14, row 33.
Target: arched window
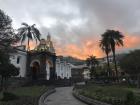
column 18, row 59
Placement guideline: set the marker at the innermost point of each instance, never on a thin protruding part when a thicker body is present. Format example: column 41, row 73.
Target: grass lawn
column 33, row 91
column 26, row 95
column 116, row 95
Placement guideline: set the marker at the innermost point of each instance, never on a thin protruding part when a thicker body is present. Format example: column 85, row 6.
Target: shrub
column 21, row 101
column 113, row 94
column 137, row 102
column 130, row 98
column 9, row 96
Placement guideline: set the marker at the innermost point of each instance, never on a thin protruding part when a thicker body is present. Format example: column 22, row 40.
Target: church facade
column 41, row 62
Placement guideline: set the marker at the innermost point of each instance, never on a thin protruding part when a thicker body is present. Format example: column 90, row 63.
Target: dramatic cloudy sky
column 76, row 25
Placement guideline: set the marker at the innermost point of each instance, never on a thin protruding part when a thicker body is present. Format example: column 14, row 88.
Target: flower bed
column 115, row 95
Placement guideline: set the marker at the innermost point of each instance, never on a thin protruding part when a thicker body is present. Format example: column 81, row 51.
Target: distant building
column 86, row 73
column 63, row 68
column 80, row 72
column 103, row 62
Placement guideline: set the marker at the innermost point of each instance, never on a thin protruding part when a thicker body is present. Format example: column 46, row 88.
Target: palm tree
column 106, row 48
column 92, row 62
column 29, row 32
column 114, row 38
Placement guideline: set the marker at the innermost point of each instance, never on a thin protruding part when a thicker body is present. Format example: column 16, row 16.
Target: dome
column 42, row 41
column 45, row 45
column 42, row 46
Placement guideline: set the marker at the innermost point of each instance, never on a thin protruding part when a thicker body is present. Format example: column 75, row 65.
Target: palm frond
column 36, row 33
column 23, row 38
column 25, row 24
column 29, row 32
column 33, row 25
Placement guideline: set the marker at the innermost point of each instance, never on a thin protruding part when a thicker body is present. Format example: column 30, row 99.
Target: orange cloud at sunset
column 90, row 46
column 32, row 45
column 87, row 48
column 131, row 41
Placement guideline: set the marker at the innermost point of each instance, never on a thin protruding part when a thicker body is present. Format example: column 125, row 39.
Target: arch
column 49, row 69
column 31, row 64
column 35, row 69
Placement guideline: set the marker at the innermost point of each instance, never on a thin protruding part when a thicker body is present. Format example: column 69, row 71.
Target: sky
column 76, row 25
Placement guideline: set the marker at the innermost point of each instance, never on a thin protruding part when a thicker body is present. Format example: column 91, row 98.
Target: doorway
column 35, row 70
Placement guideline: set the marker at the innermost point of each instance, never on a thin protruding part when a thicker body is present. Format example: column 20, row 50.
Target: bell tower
column 49, row 43
column 48, row 37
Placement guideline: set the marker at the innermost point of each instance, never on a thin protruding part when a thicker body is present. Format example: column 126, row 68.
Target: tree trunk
column 28, row 45
column 2, row 82
column 109, row 72
column 138, row 81
column 116, row 70
column 5, row 86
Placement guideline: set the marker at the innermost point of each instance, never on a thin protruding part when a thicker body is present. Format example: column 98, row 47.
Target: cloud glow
column 76, row 25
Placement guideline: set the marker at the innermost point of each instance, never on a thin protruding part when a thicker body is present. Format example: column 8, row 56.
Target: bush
column 113, row 94
column 9, row 96
column 21, row 101
column 22, row 95
column 130, row 98
column 137, row 101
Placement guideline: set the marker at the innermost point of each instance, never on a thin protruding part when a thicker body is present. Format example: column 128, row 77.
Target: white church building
column 40, row 62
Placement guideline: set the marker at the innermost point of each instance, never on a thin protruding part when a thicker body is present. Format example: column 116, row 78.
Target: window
column 18, row 59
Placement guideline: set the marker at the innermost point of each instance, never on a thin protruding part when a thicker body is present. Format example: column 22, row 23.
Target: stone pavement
column 62, row 96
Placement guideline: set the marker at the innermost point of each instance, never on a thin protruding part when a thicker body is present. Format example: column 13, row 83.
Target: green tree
column 7, row 39
column 130, row 64
column 105, row 46
column 7, row 36
column 6, row 69
column 92, row 62
column 114, row 38
column 29, row 32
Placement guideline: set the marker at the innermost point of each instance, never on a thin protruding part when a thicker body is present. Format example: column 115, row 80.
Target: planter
column 87, row 100
column 45, row 95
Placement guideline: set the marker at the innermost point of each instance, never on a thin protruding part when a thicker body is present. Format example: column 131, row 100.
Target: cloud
column 76, row 25
column 132, row 41
column 87, row 47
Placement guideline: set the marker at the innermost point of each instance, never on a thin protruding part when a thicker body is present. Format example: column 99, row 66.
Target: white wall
column 22, row 62
column 69, row 71
column 86, row 74
column 47, row 71
column 63, row 69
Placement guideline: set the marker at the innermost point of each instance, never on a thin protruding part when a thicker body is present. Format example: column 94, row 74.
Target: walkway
column 62, row 96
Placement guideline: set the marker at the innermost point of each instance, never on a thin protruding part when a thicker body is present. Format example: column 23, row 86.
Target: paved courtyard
column 62, row 96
